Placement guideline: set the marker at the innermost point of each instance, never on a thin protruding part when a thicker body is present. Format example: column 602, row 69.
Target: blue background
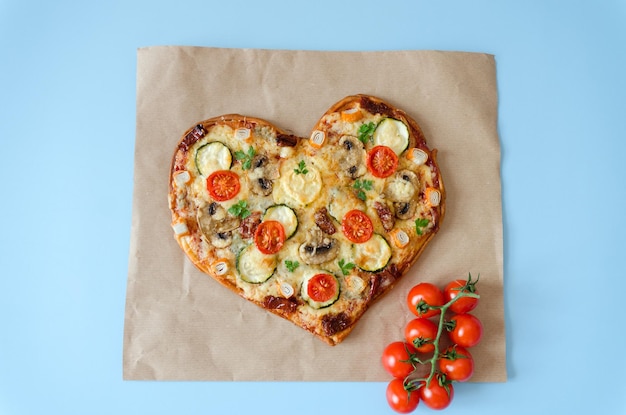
column 67, row 124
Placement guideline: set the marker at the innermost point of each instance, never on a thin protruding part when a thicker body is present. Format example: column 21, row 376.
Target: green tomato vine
column 410, row 383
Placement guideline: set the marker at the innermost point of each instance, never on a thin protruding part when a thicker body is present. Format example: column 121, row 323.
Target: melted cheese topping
column 297, row 189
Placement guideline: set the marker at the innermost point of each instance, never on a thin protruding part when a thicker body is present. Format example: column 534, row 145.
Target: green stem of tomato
column 433, row 359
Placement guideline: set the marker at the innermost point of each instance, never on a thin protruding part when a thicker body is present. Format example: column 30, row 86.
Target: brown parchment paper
column 182, row 325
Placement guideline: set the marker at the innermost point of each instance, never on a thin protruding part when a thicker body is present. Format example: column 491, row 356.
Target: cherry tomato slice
column 223, row 185
column 382, row 161
column 357, row 226
column 322, row 287
column 269, row 236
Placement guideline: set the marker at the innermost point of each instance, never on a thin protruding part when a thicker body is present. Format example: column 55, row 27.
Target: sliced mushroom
column 402, row 190
column 222, row 239
column 351, row 156
column 261, row 175
column 409, row 176
column 405, row 210
column 217, row 225
column 318, row 248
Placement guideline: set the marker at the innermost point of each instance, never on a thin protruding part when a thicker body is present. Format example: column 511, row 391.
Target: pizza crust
column 213, row 238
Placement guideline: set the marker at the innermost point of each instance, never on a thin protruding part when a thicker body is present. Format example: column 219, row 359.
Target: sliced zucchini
column 211, row 157
column 285, row 215
column 253, row 266
column 393, row 134
column 324, row 285
column 372, row 255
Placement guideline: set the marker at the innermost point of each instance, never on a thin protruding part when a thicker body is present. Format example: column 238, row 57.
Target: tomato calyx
column 419, row 342
column 422, row 307
column 452, row 353
column 457, row 363
column 449, row 325
column 468, row 301
column 470, row 286
column 413, row 358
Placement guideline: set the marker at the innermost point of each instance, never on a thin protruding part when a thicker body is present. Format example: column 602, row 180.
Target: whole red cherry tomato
column 400, row 399
column 438, row 394
column 397, row 358
column 422, row 296
column 465, row 304
column 457, row 363
column 421, row 333
column 466, row 330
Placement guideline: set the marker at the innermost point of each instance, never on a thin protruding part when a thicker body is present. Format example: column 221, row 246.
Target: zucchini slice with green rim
column 285, row 215
column 254, row 266
column 372, row 255
column 211, row 157
column 393, row 134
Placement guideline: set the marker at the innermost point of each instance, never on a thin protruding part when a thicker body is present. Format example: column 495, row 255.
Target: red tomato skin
column 399, row 399
column 269, row 237
column 421, row 328
column 382, row 154
column 468, row 330
column 436, row 396
column 394, row 359
column 428, row 292
column 357, row 226
column 322, row 287
column 221, row 177
column 462, row 305
column 460, row 369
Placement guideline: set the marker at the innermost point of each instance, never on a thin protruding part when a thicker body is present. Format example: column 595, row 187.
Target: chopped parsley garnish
column 245, row 157
column 420, row 224
column 240, row 209
column 301, row 168
column 291, row 265
column 345, row 267
column 366, row 131
column 362, row 185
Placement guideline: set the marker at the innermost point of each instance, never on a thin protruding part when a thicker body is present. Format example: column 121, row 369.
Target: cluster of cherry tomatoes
column 426, row 363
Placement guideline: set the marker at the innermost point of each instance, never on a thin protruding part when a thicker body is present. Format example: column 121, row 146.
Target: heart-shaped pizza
column 312, row 229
